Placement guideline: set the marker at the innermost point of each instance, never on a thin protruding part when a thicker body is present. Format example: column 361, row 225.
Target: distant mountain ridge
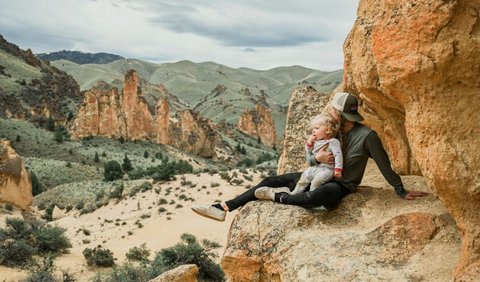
column 80, row 57
column 216, row 91
column 30, row 86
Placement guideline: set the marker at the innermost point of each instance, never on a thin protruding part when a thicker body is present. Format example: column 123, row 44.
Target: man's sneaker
column 210, row 212
column 267, row 193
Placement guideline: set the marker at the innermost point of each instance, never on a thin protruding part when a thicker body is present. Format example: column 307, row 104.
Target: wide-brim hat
column 347, row 105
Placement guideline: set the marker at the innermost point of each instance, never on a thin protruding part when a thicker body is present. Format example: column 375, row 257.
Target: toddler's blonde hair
column 331, row 124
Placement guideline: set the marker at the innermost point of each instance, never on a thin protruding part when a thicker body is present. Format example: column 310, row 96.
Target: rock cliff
column 108, row 112
column 373, row 235
column 305, row 103
column 415, row 66
column 15, row 183
column 259, row 123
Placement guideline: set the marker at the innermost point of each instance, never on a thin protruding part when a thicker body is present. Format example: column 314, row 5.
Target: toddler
column 324, row 128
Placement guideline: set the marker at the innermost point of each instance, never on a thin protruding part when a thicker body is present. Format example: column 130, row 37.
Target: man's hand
column 412, row 195
column 323, row 156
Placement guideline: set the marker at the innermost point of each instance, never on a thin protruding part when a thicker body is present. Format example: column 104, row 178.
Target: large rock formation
column 138, row 118
column 364, row 239
column 416, row 67
column 107, row 112
column 100, row 114
column 193, row 133
column 305, row 103
column 259, row 123
column 15, row 183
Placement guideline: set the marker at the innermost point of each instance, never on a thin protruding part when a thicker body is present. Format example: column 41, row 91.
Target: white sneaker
column 210, row 212
column 267, row 193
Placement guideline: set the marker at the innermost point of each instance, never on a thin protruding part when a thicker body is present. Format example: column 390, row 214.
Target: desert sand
column 114, row 226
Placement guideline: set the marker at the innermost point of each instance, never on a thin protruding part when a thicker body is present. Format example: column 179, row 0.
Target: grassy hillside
column 57, row 163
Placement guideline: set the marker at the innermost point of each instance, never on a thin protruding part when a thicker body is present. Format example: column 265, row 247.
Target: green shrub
column 125, row 272
column 187, row 252
column 137, row 173
column 51, row 239
column 164, row 171
column 146, row 186
column 80, row 205
column 58, row 136
column 112, row 171
column 15, row 252
column 116, row 192
column 162, row 210
column 8, row 207
column 42, row 272
column 246, row 162
column 99, row 257
column 138, row 253
column 21, row 239
column 48, row 212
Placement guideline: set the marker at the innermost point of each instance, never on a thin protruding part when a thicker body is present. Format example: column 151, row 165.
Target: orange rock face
column 137, row 116
column 163, row 122
column 15, row 183
column 194, row 134
column 106, row 112
column 100, row 114
column 259, row 123
column 416, row 67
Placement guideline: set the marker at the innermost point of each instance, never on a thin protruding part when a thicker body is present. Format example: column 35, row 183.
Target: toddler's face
column 318, row 130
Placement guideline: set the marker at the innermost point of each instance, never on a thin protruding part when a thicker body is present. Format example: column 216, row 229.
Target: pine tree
column 145, row 154
column 58, row 136
column 96, row 158
column 127, row 164
column 50, row 124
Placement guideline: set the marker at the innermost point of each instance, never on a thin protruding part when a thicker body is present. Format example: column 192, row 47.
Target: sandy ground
column 114, row 226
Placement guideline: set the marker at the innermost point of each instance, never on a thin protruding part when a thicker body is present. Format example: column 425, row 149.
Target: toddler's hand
column 338, row 174
column 311, row 139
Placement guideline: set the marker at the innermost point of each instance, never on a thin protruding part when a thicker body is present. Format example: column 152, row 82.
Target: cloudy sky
column 258, row 34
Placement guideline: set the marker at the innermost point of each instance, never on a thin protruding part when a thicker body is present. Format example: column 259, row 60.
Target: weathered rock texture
column 183, row 273
column 305, row 103
column 259, row 123
column 107, row 112
column 416, row 66
column 15, row 183
column 371, row 236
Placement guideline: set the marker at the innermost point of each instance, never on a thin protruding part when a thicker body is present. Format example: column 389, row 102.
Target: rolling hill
column 216, row 91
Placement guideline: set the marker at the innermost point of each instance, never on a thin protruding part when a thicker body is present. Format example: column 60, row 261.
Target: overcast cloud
column 257, row 34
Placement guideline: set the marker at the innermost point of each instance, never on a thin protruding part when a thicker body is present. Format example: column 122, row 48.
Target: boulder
column 15, row 182
column 274, row 242
column 183, row 273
